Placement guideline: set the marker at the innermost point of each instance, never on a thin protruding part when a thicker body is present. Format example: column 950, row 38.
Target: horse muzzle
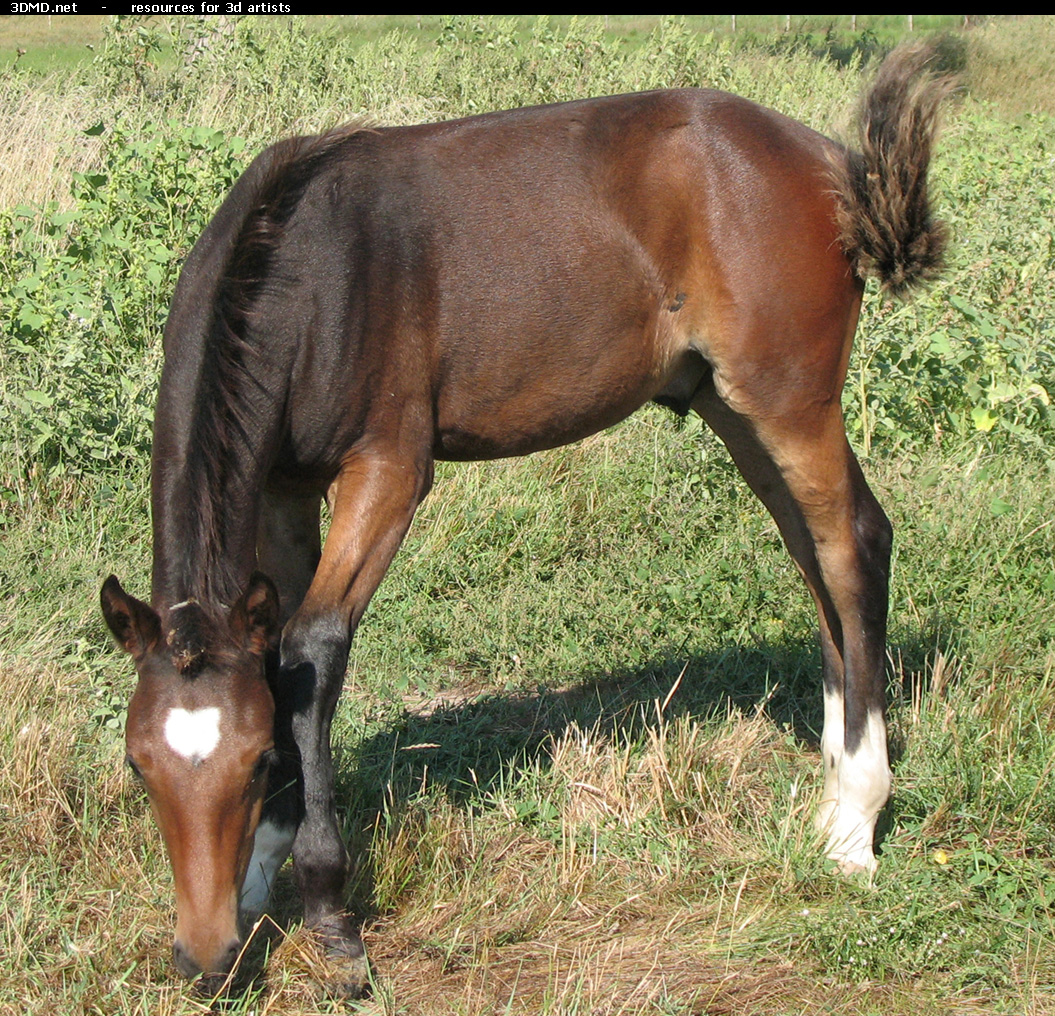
column 191, row 965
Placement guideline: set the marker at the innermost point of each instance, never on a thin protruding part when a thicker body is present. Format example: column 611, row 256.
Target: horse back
column 520, row 279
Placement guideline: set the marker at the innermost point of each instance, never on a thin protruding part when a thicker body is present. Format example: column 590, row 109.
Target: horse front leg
column 373, row 502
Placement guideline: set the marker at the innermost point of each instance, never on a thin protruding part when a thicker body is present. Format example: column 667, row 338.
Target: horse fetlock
column 824, row 818
column 850, row 837
column 849, row 820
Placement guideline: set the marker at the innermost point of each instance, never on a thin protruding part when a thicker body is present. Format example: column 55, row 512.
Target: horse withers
column 370, row 300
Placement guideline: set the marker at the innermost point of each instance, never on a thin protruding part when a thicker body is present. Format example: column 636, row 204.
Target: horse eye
column 135, row 769
column 265, row 762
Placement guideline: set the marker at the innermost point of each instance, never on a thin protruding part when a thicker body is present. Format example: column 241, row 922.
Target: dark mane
column 227, row 428
column 294, row 163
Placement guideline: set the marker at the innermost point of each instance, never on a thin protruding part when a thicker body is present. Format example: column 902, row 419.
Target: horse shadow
column 466, row 747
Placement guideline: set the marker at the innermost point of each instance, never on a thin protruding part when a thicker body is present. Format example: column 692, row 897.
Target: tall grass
column 1013, row 64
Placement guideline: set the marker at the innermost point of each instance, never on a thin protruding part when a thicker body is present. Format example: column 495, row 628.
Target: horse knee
column 313, row 638
column 873, row 533
column 313, row 656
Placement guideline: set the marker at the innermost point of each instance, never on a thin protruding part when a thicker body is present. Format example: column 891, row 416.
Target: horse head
column 200, row 738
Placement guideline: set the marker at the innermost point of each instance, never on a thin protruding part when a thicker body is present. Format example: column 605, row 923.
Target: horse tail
column 883, row 208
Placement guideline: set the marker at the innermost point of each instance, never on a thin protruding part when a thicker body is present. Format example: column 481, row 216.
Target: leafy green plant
column 84, row 293
column 131, row 45
column 970, row 363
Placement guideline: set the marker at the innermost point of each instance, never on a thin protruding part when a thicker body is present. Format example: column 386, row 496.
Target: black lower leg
column 314, row 657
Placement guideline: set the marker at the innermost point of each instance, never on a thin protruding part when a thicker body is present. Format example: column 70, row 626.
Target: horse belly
column 521, row 391
column 554, row 322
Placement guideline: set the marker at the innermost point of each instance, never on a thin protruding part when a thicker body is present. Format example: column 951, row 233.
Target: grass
column 64, row 40
column 1013, row 65
column 580, row 723
column 48, row 43
column 617, row 822
column 48, row 97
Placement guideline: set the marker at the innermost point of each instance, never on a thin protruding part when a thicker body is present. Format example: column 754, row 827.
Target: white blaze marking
column 193, row 733
column 270, row 848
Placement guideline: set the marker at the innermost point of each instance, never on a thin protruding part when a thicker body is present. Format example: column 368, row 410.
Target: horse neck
column 206, row 476
column 220, row 408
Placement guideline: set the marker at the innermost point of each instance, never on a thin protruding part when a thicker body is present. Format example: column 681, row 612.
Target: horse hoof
column 346, row 977
column 346, row 970
column 850, row 868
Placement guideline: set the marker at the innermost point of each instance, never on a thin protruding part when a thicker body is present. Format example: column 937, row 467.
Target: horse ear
column 254, row 618
column 135, row 625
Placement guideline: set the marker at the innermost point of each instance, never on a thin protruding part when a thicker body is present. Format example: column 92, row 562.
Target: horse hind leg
column 288, row 549
column 857, row 777
column 801, row 467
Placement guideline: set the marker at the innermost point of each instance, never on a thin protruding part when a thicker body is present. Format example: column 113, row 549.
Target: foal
column 370, row 300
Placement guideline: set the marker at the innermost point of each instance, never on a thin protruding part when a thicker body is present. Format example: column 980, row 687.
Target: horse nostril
column 184, row 963
column 190, row 968
column 230, row 956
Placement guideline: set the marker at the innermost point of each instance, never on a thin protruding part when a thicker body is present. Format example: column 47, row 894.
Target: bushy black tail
column 884, row 212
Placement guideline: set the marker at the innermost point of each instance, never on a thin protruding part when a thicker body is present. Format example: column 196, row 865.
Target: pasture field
column 70, row 39
column 578, row 741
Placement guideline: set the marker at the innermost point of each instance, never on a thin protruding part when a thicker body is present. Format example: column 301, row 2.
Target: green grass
column 520, row 799
column 579, row 730
column 1008, row 59
column 66, row 40
column 40, row 43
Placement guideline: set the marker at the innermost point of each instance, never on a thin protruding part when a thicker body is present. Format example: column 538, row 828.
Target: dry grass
column 650, row 891
column 1011, row 63
column 70, row 878
column 659, row 860
column 42, row 141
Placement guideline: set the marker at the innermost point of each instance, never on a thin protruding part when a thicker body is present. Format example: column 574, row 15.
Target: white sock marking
column 193, row 733
column 831, row 755
column 864, row 782
column 270, row 848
